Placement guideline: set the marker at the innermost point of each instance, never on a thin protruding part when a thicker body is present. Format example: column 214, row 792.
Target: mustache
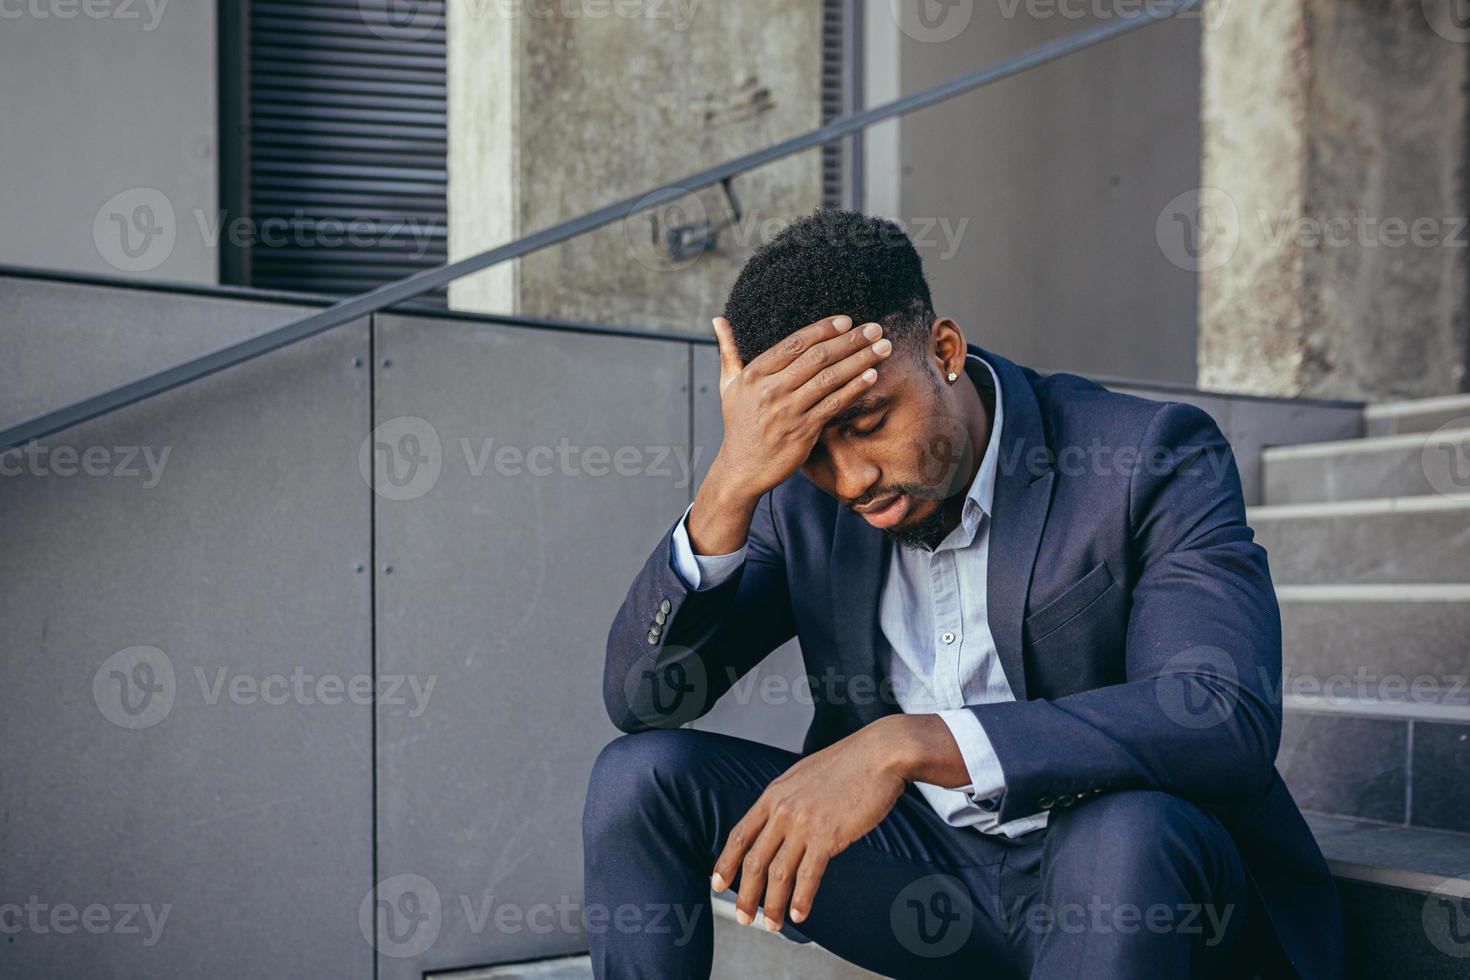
column 893, row 490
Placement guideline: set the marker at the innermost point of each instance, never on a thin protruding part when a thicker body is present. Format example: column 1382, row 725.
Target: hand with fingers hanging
column 806, row 817
column 775, row 408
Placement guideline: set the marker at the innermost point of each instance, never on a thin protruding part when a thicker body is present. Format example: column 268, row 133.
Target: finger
column 835, row 375
column 730, row 363
column 798, row 343
column 779, row 879
column 840, row 399
column 736, row 845
column 808, row 877
column 753, row 872
column 820, row 357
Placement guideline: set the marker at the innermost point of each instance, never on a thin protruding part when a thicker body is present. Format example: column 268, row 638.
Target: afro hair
column 829, row 263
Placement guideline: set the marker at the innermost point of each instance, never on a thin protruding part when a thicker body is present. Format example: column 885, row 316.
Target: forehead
column 896, row 380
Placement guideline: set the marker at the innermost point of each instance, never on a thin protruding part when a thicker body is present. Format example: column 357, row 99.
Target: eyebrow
column 866, row 405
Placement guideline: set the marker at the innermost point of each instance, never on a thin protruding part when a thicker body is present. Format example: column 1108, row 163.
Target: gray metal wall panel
column 64, row 342
column 772, row 703
column 503, row 586
column 250, row 821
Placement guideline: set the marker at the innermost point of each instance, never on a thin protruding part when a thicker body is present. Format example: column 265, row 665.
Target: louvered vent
column 347, row 143
column 838, row 24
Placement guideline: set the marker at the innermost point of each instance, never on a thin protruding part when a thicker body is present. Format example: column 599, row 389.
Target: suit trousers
column 1129, row 884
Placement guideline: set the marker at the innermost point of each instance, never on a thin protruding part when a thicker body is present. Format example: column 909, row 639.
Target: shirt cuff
column 704, row 572
column 987, row 782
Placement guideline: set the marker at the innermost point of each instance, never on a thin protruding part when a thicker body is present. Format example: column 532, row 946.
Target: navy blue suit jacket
column 1133, row 613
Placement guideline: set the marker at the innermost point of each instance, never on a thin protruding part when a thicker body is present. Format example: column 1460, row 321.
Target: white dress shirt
column 940, row 654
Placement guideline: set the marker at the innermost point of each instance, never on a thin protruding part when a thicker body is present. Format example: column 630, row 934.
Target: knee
column 633, row 775
column 1123, row 835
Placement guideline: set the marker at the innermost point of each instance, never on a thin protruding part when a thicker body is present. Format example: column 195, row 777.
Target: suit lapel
column 860, row 556
column 1023, row 485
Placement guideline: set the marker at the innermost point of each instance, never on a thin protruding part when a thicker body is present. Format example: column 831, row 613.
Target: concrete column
column 558, row 107
column 1330, row 232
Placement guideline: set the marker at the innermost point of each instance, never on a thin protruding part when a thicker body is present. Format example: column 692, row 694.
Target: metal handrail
column 394, row 293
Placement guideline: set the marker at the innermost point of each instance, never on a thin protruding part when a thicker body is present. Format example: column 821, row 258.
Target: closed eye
column 870, row 429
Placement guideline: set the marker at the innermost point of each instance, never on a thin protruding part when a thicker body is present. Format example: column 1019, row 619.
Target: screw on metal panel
column 387, row 569
column 357, row 362
column 387, row 362
column 703, row 389
column 683, row 388
column 359, row 568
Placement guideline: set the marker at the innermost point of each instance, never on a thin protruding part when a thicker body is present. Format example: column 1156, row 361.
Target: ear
column 947, row 348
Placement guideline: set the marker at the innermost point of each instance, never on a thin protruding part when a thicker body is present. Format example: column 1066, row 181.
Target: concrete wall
column 603, row 106
column 1050, row 183
column 108, row 111
column 1336, row 255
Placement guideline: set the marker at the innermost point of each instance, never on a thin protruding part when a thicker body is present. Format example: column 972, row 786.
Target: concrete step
column 1397, row 635
column 1405, row 896
column 1404, row 760
column 1419, row 415
column 743, row 952
column 1408, row 465
column 1391, row 540
column 561, row 968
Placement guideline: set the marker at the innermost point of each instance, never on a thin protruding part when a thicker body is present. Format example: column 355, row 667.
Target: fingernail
column 797, row 915
column 870, row 375
column 716, row 882
column 842, row 323
column 771, row 925
column 872, row 331
column 715, row 323
column 882, row 347
column 743, row 917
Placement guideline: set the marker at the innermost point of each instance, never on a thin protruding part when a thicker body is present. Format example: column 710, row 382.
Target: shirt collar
column 981, row 496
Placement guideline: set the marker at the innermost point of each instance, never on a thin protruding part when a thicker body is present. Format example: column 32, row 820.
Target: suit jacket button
column 654, row 629
column 660, row 617
column 665, row 607
column 652, row 638
column 1066, row 799
column 1046, row 802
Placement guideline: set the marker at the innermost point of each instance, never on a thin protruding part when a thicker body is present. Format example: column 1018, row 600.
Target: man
column 1043, row 648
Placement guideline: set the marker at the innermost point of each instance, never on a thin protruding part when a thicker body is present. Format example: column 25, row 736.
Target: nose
column 852, row 475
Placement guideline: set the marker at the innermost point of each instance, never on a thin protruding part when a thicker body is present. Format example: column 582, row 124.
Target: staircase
column 1369, row 542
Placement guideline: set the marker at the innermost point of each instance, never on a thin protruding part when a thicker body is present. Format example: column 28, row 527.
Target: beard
column 927, row 532
column 924, row 534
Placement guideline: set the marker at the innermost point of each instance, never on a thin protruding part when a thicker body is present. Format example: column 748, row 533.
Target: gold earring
column 953, row 377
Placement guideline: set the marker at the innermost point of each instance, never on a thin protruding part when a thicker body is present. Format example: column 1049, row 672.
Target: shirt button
column 947, row 636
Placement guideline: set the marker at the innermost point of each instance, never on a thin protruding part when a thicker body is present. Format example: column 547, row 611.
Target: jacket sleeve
column 1199, row 714
column 673, row 651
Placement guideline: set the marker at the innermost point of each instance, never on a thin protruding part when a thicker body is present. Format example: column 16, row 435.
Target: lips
column 887, row 514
